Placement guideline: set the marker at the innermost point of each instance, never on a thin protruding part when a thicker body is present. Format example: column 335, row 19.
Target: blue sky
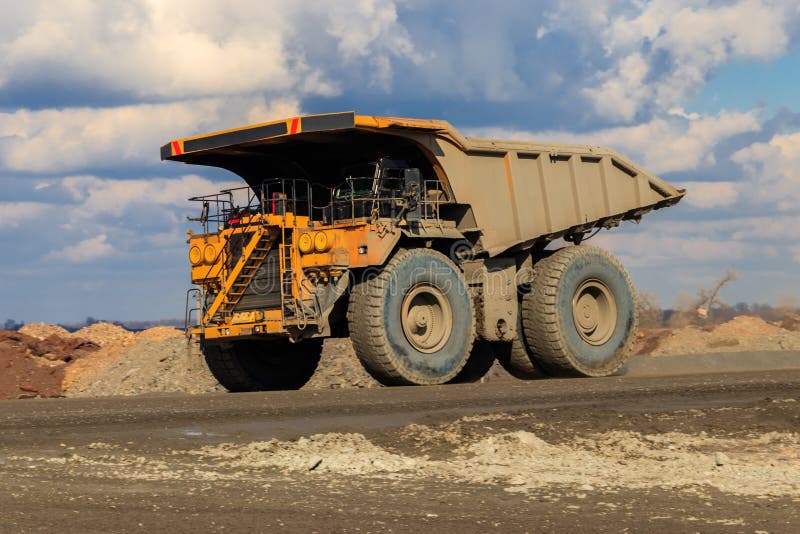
column 704, row 93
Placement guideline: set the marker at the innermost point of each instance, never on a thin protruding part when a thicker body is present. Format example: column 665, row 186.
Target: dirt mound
column 98, row 333
column 339, row 368
column 43, row 330
column 349, row 454
column 163, row 361
column 159, row 332
column 790, row 322
column 742, row 333
column 105, row 334
column 745, row 327
column 145, row 366
column 32, row 367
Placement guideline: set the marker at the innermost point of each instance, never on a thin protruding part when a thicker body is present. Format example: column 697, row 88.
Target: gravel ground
column 700, row 454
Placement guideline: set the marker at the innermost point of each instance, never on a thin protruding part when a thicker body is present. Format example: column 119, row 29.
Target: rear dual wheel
column 516, row 356
column 579, row 318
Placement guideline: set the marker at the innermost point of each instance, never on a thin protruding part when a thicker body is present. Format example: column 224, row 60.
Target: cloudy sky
column 702, row 92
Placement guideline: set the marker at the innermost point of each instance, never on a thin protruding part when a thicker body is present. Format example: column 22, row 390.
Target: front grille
column 264, row 291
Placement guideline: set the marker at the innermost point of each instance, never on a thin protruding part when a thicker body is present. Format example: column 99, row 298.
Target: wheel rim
column 594, row 312
column 427, row 318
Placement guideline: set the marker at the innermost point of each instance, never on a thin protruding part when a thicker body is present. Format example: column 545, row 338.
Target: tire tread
column 367, row 329
column 540, row 316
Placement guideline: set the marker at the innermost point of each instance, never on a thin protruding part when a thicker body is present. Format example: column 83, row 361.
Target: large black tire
column 413, row 351
column 481, row 359
column 250, row 365
column 517, row 358
column 579, row 318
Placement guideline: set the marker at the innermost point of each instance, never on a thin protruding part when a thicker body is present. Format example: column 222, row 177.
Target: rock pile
column 99, row 333
column 159, row 332
column 31, row 367
column 150, row 365
column 742, row 333
column 43, row 330
column 105, row 334
column 791, row 322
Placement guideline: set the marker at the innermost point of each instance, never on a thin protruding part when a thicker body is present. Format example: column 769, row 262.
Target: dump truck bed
column 514, row 193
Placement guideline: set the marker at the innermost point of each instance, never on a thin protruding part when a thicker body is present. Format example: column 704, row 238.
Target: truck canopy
column 513, row 193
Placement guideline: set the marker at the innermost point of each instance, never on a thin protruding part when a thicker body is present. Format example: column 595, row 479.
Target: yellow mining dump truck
column 425, row 247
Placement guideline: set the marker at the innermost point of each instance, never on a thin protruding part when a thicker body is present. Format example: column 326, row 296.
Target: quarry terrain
column 146, row 439
column 42, row 360
column 713, row 453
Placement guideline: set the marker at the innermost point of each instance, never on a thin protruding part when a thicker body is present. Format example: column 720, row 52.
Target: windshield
column 361, row 170
column 354, row 188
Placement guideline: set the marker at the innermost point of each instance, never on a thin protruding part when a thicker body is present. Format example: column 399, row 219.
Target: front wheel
column 580, row 316
column 413, row 324
column 254, row 365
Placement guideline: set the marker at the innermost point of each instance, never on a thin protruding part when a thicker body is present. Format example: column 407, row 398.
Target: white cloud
column 65, row 140
column 710, row 194
column 678, row 245
column 94, row 196
column 96, row 212
column 13, row 214
column 84, row 251
column 774, row 171
column 667, row 144
column 196, row 48
column 657, row 247
column 664, row 50
column 370, row 30
column 622, row 92
column 796, row 253
column 738, row 228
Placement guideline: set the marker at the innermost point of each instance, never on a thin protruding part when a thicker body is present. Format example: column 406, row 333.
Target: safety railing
column 199, row 308
column 352, row 206
column 279, row 196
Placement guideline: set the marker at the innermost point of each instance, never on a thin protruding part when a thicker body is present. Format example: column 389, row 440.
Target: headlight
column 209, row 254
column 195, row 255
column 305, row 243
column 321, row 242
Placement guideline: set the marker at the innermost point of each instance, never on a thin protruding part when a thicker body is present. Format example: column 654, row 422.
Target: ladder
column 291, row 310
column 235, row 284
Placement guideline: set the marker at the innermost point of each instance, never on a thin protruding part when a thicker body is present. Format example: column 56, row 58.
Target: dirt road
column 691, row 453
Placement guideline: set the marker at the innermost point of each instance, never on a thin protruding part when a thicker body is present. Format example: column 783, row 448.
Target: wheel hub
column 427, row 318
column 594, row 312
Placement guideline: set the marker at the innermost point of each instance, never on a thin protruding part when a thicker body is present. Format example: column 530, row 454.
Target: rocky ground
column 104, row 359
column 660, row 454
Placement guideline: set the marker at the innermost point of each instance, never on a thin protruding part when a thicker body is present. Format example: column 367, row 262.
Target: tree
column 11, row 324
column 650, row 313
